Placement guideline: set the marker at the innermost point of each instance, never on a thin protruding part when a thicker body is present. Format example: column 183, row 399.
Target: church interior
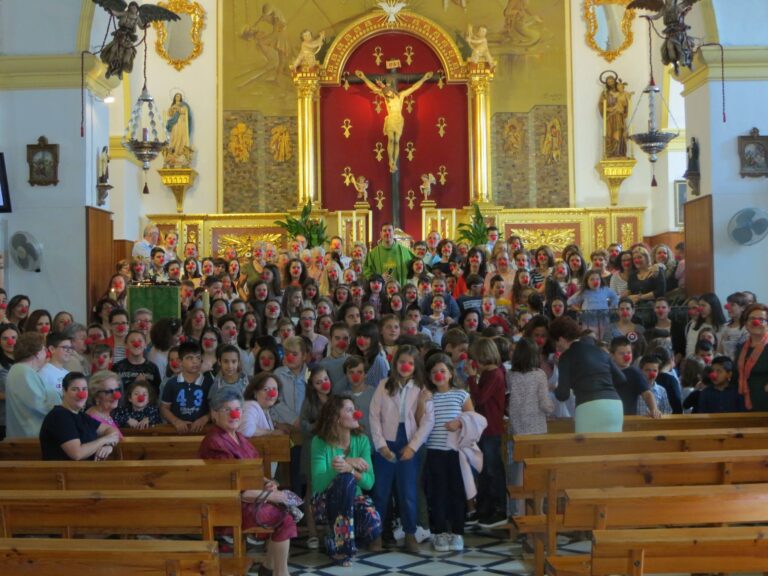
column 560, row 122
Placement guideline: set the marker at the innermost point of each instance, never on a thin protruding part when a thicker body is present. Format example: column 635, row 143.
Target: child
column 734, row 332
column 135, row 366
column 366, row 344
column 141, row 410
column 389, row 331
column 185, row 399
column 704, row 351
column 487, row 387
column 230, row 371
column 650, row 365
column 436, row 321
column 446, row 495
column 692, row 381
column 307, row 321
column 499, row 291
column 397, row 437
column 228, row 327
column 456, row 345
column 362, row 394
column 529, row 403
column 337, row 355
column 720, row 396
column 491, row 318
column 101, row 358
column 594, row 300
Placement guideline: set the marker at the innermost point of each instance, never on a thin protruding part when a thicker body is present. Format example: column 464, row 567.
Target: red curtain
column 431, row 150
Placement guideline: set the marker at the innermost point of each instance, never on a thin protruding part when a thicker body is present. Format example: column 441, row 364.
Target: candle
column 144, row 134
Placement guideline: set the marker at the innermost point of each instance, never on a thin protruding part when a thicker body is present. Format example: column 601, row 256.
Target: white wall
column 741, row 22
column 38, row 26
column 55, row 215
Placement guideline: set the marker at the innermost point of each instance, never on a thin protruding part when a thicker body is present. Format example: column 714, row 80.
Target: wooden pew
column 72, row 512
column 549, row 477
column 53, row 557
column 675, row 422
column 604, row 509
column 132, row 475
column 646, row 441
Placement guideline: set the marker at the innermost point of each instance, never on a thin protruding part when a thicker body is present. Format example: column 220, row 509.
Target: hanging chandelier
column 141, row 134
column 654, row 141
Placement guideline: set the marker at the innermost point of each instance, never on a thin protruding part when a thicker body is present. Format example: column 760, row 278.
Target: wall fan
column 26, row 252
column 748, row 226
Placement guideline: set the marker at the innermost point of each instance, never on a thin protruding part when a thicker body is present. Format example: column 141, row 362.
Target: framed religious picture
column 5, row 194
column 681, row 194
column 753, row 154
column 43, row 160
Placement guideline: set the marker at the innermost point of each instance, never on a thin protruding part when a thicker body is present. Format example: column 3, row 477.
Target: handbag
column 291, row 506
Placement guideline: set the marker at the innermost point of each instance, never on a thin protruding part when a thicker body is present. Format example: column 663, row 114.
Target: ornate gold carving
column 409, row 55
column 590, row 15
column 280, row 144
column 240, row 142
column 243, row 243
column 179, row 180
column 410, row 148
column 346, row 126
column 442, row 174
column 600, row 236
column 378, row 101
column 379, row 151
column 380, row 199
column 411, row 199
column 196, row 14
column 409, row 102
column 377, row 55
column 441, row 125
column 627, row 231
column 345, row 80
column 614, row 172
column 347, row 175
column 555, row 238
column 372, row 24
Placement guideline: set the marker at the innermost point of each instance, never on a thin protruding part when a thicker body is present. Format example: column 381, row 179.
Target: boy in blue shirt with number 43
column 185, row 398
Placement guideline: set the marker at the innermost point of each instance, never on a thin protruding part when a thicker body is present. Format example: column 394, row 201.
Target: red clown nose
column 291, row 357
column 342, row 345
column 82, row 395
column 136, row 343
column 357, row 415
column 326, row 386
column 47, row 354
column 627, row 357
column 182, row 339
column 463, row 356
column 175, row 364
column 360, row 341
column 88, row 341
column 23, row 310
column 540, row 341
column 141, row 397
column 406, row 366
column 45, row 329
column 234, row 414
column 272, row 393
column 3, row 305
column 11, row 341
column 438, row 377
column 626, row 314
column 757, row 322
column 117, row 395
column 355, row 377
column 232, row 332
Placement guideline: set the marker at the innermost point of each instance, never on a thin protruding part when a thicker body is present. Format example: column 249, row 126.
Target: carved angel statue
column 427, row 181
column 119, row 53
column 479, row 44
column 361, row 185
column 391, row 8
column 309, row 49
column 678, row 47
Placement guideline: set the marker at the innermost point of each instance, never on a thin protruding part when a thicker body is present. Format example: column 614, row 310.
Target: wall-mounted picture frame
column 753, row 154
column 681, row 196
column 5, row 192
column 43, row 160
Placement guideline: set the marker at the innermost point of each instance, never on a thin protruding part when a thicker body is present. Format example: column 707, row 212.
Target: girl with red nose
column 230, row 370
column 595, row 300
column 398, row 435
column 94, row 440
column 140, row 412
column 366, row 343
column 39, row 321
column 445, row 488
column 307, row 323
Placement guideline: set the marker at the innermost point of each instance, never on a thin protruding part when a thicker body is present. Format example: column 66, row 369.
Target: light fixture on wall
column 108, row 99
column 654, row 141
column 141, row 135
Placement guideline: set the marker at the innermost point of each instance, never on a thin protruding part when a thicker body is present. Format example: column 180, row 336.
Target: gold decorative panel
column 555, row 236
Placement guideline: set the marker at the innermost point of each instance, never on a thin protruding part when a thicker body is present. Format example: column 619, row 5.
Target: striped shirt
column 447, row 406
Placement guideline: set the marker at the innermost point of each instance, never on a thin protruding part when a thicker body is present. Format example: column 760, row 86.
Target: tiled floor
column 485, row 554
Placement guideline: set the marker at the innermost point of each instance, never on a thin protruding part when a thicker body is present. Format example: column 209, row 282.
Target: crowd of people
column 404, row 370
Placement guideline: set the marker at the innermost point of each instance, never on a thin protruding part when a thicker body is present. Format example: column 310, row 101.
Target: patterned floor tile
column 474, row 558
column 518, row 566
column 438, row 569
column 392, row 559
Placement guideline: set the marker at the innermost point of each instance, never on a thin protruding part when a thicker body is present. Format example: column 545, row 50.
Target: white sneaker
column 440, row 542
column 398, row 533
column 456, row 542
column 422, row 534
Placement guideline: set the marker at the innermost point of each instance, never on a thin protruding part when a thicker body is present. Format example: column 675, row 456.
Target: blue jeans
column 491, row 482
column 405, row 473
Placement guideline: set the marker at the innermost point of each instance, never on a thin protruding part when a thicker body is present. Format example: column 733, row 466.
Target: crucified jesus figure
column 393, row 123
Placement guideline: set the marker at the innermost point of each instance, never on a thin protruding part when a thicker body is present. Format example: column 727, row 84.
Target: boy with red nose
column 650, row 365
column 636, row 388
column 337, row 355
column 185, row 398
column 135, row 366
column 140, row 412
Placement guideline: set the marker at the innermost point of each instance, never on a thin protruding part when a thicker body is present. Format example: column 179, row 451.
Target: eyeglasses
column 109, row 391
column 758, row 319
column 119, row 323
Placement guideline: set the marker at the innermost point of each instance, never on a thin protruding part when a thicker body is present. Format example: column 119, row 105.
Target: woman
column 38, row 321
column 260, row 507
column 105, row 389
column 68, row 433
column 9, row 334
column 367, row 345
column 664, row 257
column 260, row 396
column 341, row 470
column 645, row 283
column 61, row 321
column 27, row 398
column 590, row 373
column 620, row 279
column 752, row 359
column 164, row 334
column 17, row 310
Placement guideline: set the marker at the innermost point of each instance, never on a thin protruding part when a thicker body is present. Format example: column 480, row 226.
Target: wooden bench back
column 132, row 475
column 609, row 508
column 51, row 556
column 675, row 422
column 646, row 441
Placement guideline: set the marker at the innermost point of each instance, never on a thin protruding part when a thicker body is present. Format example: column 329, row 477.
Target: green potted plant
column 313, row 229
column 476, row 232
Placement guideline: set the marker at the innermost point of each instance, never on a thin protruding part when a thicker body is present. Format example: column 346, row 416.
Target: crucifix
column 386, row 87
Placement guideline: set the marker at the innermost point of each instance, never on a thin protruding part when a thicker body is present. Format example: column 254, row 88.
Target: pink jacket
column 385, row 418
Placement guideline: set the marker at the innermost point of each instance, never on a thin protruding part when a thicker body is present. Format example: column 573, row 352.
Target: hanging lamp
column 654, row 141
column 141, row 135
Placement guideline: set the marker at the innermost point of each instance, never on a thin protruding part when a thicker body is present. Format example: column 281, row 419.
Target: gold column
column 480, row 76
column 307, row 88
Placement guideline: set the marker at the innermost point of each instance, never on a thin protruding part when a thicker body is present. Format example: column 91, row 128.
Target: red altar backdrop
column 431, row 104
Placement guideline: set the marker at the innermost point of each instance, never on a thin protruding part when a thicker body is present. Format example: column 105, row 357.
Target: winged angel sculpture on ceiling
column 678, row 48
column 119, row 53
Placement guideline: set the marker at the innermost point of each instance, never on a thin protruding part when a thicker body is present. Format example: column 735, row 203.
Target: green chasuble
column 381, row 260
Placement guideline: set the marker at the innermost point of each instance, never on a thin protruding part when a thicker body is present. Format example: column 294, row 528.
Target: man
column 185, row 397
column 142, row 322
column 337, row 246
column 432, row 257
column 389, row 258
column 59, row 353
column 637, row 385
column 157, row 265
column 143, row 248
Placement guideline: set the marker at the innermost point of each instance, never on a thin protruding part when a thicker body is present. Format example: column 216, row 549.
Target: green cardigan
column 322, row 462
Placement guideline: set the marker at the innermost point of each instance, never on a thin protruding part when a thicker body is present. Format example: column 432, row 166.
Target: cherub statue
column 427, row 181
column 361, row 185
column 309, row 49
column 479, row 44
column 118, row 54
